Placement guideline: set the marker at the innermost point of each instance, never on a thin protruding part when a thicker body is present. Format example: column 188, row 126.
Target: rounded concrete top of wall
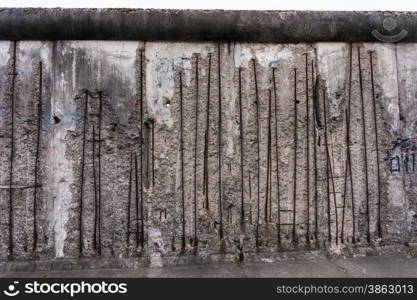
column 206, row 25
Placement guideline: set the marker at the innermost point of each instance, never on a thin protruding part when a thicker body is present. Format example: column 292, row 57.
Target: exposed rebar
column 242, row 192
column 326, row 144
column 100, row 113
column 377, row 146
column 129, row 201
column 315, row 96
column 142, row 100
column 307, row 153
column 258, row 150
column 38, row 141
column 277, row 156
column 365, row 153
column 95, row 191
column 294, row 238
column 206, row 138
column 219, row 136
column 182, row 163
column 12, row 100
column 268, row 163
column 195, row 150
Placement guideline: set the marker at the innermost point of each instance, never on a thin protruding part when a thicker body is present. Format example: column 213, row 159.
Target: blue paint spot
column 273, row 62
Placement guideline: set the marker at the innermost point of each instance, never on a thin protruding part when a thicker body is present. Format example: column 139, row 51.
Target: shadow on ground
column 371, row 266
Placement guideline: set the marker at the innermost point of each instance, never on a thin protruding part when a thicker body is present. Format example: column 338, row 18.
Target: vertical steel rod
column 195, row 151
column 142, row 219
column 82, row 175
column 348, row 167
column 12, row 100
column 38, row 140
column 220, row 143
column 307, row 154
column 137, row 201
column 368, row 235
column 147, row 150
column 258, row 150
column 268, row 163
column 316, row 214
column 100, row 113
column 294, row 238
column 270, row 182
column 351, row 184
column 332, row 174
column 277, row 157
column 250, row 197
column 327, row 168
column 129, row 201
column 206, row 137
column 95, row 191
column 342, row 233
column 376, row 145
column 242, row 204
column 182, row 164
column 348, row 146
column 152, row 122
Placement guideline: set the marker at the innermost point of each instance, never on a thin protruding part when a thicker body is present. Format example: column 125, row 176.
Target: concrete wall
column 143, row 138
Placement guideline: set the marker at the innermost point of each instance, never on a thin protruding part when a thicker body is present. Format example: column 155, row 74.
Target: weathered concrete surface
column 168, row 176
column 375, row 266
column 199, row 25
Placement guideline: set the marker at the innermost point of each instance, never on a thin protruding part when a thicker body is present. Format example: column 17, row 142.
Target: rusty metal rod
column 307, row 153
column 294, row 238
column 195, row 150
column 152, row 122
column 147, row 151
column 334, row 197
column 100, row 98
column 95, row 191
column 268, row 161
column 270, row 155
column 368, row 235
column 219, row 136
column 38, row 140
column 348, row 149
column 129, row 201
column 277, row 156
column 206, row 137
column 327, row 168
column 142, row 219
column 342, row 233
column 182, row 164
column 270, row 184
column 205, row 171
column 351, row 187
column 348, row 166
column 258, row 150
column 316, row 215
column 242, row 192
column 12, row 100
column 376, row 146
column 250, row 197
column 137, row 200
column 82, row 175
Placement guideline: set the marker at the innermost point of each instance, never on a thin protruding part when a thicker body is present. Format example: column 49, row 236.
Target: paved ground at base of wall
column 374, row 266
